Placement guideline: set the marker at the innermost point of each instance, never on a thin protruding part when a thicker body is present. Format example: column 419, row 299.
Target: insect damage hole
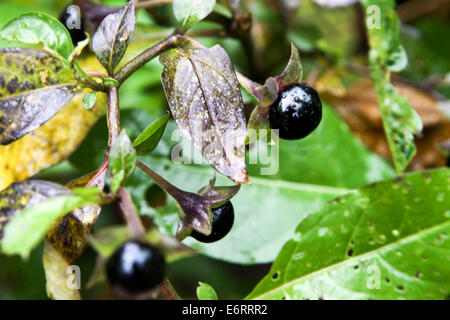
column 276, row 276
column 350, row 252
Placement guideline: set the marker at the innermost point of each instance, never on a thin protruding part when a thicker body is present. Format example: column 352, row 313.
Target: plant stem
column 96, row 74
column 146, row 56
column 151, row 3
column 129, row 213
column 88, row 80
column 163, row 183
column 113, row 115
column 160, row 47
column 168, row 291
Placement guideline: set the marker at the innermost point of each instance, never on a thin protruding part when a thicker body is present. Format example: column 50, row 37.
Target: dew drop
column 395, row 233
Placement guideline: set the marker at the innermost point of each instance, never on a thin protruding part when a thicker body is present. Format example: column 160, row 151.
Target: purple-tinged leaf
column 293, row 73
column 34, row 86
column 113, row 36
column 204, row 97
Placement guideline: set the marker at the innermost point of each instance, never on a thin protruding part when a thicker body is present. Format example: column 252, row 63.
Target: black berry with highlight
column 136, row 267
column 223, row 219
column 296, row 112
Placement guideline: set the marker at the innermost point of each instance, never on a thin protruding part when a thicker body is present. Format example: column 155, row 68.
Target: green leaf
column 147, row 141
column 112, row 37
column 122, row 161
column 39, row 28
column 189, row 12
column 34, row 86
column 206, row 292
column 386, row 54
column 388, row 240
column 202, row 89
column 89, row 100
column 36, row 205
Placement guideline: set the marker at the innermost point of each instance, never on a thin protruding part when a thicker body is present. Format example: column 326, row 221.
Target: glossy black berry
column 71, row 18
column 136, row 267
column 223, row 218
column 296, row 112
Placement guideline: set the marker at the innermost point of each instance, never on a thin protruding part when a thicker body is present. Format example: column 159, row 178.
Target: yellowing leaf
column 61, row 283
column 54, row 141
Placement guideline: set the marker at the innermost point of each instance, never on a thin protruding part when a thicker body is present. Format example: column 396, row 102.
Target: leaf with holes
column 386, row 54
column 203, row 94
column 189, row 12
column 147, row 141
column 39, row 28
column 112, row 37
column 388, row 240
column 34, row 86
column 28, row 209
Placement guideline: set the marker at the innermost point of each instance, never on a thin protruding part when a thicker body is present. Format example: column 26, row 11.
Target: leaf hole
column 388, row 280
column 350, row 252
column 418, row 274
column 400, row 287
column 356, row 267
column 276, row 275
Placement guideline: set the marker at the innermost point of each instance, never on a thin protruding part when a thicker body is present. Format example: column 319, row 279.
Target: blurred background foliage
column 333, row 47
